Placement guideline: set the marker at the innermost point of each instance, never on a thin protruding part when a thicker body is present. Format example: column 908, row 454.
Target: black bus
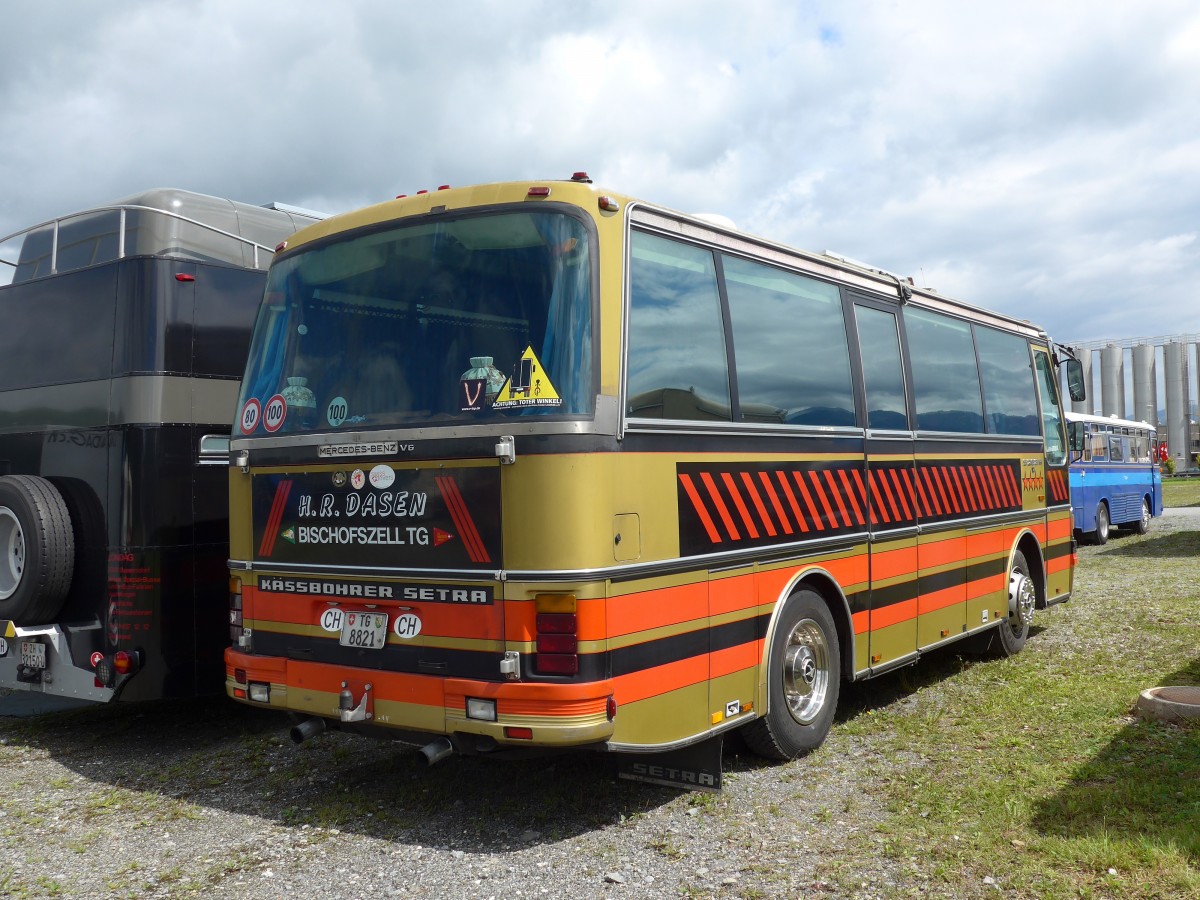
column 125, row 335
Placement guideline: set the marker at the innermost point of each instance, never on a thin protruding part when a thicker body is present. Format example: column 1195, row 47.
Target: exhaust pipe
column 436, row 751
column 302, row 731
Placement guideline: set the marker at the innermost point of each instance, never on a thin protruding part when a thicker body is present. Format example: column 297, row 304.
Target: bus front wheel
column 1022, row 600
column 1102, row 523
column 37, row 550
column 803, row 681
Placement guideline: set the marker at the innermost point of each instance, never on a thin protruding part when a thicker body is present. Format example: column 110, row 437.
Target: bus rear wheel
column 1142, row 525
column 37, row 550
column 803, row 681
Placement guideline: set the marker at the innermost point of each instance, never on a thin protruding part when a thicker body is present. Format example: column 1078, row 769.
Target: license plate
column 367, row 631
column 33, row 654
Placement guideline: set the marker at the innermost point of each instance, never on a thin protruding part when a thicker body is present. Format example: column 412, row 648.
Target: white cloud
column 1039, row 159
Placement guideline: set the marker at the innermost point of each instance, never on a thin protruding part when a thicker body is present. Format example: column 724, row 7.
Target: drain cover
column 1171, row 704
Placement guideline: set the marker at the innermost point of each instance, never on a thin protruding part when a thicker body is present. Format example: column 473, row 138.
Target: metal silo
column 1112, row 381
column 1145, row 385
column 1085, row 406
column 1175, row 384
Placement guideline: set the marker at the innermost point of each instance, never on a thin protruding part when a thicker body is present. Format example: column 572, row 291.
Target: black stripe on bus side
column 702, row 641
column 1057, row 551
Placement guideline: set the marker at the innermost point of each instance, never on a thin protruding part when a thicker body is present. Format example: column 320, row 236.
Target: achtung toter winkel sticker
column 529, row 385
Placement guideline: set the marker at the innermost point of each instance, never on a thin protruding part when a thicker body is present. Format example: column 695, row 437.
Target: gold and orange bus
column 538, row 465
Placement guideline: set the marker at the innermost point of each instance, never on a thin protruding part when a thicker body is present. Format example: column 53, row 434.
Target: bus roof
column 1108, row 420
column 581, row 191
column 161, row 222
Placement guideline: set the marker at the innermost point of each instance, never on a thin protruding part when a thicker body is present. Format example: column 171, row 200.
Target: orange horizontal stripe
column 1061, row 564
column 942, row 553
column 943, row 599
column 735, row 659
column 893, row 563
column 735, row 594
column 660, row 679
column 861, row 621
column 983, row 587
column 644, row 610
column 893, row 614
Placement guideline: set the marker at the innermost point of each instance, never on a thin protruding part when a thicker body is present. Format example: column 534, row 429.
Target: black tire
column 1010, row 636
column 37, row 550
column 1103, row 524
column 803, row 681
column 1142, row 525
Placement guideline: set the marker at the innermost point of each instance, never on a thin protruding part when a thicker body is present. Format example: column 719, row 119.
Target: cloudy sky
column 1039, row 158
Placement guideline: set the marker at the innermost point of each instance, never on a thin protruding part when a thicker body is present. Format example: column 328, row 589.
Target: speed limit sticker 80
column 250, row 415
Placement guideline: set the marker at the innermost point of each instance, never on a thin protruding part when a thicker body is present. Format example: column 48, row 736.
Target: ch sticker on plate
column 407, row 626
column 332, row 618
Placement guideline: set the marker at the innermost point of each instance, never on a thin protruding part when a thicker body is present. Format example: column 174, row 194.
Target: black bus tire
column 1022, row 600
column 37, row 550
column 803, row 681
column 1103, row 524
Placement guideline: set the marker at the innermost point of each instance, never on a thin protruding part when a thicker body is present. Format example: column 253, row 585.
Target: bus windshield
column 451, row 322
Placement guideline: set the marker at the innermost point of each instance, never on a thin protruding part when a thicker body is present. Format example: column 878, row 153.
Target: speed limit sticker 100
column 274, row 413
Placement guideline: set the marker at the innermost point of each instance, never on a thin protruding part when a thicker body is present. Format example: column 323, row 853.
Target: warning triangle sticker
column 440, row 537
column 529, row 385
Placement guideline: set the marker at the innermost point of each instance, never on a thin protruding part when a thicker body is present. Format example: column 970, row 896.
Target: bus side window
column 678, row 366
column 945, row 373
column 1098, row 442
column 1115, row 453
column 793, row 365
column 1078, row 435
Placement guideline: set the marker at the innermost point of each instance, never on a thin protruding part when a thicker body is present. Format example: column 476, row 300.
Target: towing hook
column 302, row 731
column 436, row 751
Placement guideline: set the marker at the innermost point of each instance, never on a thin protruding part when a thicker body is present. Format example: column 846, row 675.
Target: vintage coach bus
column 126, row 329
column 540, row 465
column 1115, row 475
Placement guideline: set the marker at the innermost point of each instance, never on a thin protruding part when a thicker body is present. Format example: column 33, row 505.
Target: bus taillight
column 557, row 641
column 122, row 663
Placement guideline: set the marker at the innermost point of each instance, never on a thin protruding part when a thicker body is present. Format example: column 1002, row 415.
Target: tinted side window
column 1009, row 392
column 945, row 376
column 87, row 240
column 677, row 361
column 226, row 304
column 883, row 370
column 789, row 339
column 58, row 330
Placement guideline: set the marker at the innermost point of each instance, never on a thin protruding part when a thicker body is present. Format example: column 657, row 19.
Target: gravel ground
column 211, row 799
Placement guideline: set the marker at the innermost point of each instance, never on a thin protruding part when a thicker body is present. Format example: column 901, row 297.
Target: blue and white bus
column 1115, row 475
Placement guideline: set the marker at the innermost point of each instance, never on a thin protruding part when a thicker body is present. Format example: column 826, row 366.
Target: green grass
column 1032, row 771
column 1181, row 492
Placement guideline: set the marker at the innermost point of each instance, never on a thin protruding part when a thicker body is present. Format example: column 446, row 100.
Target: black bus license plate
column 33, row 654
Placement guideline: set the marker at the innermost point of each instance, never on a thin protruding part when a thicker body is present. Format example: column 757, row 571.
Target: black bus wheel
column 803, row 681
column 1022, row 599
column 1102, row 524
column 37, row 550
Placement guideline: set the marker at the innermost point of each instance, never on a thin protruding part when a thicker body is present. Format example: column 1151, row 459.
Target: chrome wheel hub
column 12, row 545
column 806, row 671
column 1022, row 597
